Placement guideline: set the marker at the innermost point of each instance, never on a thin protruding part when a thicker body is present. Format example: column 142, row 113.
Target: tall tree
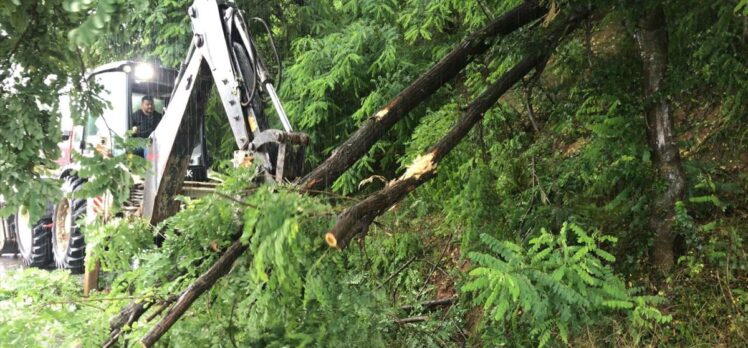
column 653, row 48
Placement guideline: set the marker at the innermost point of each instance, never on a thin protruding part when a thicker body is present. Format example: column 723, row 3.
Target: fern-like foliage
column 555, row 286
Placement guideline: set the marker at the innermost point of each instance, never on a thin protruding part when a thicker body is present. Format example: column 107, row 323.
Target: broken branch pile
column 356, row 219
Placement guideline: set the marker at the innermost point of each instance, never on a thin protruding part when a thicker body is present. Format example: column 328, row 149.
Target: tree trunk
column 376, row 126
column 653, row 41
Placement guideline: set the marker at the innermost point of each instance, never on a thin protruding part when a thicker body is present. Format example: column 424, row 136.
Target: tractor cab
column 122, row 86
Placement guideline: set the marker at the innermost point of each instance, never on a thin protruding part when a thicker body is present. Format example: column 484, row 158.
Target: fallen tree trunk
column 356, row 219
column 374, row 128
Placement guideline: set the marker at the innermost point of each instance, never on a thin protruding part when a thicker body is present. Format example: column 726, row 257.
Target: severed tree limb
column 376, row 126
column 428, row 305
column 126, row 317
column 418, row 319
column 134, row 311
column 220, row 268
column 356, row 220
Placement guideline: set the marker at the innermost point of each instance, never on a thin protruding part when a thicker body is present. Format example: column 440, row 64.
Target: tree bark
column 376, row 126
column 653, row 41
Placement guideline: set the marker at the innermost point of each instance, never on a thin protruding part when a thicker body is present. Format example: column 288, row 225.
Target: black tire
column 68, row 244
column 33, row 240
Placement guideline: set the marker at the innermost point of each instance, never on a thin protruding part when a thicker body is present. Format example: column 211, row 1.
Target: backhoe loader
column 222, row 53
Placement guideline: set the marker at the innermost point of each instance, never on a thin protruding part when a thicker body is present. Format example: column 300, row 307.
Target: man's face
column 147, row 107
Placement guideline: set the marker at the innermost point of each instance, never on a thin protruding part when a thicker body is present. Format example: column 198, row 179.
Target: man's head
column 146, row 104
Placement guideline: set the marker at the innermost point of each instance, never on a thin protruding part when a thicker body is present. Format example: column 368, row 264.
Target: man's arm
column 136, row 125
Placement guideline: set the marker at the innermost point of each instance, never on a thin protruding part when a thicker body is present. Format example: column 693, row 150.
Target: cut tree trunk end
column 652, row 40
column 376, row 126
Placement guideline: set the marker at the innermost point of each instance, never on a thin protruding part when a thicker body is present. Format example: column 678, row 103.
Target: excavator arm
column 221, row 53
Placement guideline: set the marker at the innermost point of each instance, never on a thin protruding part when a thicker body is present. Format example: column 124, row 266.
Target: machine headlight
column 144, row 72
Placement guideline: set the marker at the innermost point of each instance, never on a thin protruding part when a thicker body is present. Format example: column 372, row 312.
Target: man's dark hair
column 148, row 98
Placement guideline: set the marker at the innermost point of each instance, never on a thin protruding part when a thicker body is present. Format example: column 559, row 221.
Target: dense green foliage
column 553, row 286
column 537, row 221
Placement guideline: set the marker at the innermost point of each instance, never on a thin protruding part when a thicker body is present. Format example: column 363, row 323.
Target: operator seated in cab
column 144, row 121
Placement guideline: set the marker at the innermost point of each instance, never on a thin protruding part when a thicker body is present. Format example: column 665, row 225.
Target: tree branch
column 418, row 319
column 126, row 317
column 427, row 305
column 188, row 296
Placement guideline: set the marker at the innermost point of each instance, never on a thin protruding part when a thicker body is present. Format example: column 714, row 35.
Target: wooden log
column 376, row 126
column 418, row 319
column 428, row 305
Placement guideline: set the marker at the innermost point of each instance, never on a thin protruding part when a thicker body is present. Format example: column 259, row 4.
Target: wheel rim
column 63, row 226
column 23, row 230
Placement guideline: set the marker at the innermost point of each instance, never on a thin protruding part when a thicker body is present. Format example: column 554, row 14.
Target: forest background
column 601, row 201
